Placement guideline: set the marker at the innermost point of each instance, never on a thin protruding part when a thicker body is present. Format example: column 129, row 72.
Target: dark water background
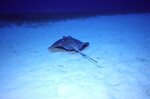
column 47, row 6
column 19, row 11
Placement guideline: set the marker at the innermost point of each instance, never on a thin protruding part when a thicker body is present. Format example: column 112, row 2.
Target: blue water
column 118, row 34
column 36, row 6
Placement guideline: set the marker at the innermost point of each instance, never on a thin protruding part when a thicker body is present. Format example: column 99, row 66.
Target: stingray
column 71, row 44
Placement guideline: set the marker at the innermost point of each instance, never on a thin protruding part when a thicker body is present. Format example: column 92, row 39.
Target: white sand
column 120, row 44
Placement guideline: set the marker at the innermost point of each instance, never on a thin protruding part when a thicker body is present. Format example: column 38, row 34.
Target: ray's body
column 71, row 44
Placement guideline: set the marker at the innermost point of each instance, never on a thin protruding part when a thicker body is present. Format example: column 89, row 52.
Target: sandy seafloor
column 120, row 44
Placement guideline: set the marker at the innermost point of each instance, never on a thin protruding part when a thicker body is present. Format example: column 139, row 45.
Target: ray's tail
column 84, row 55
column 89, row 58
